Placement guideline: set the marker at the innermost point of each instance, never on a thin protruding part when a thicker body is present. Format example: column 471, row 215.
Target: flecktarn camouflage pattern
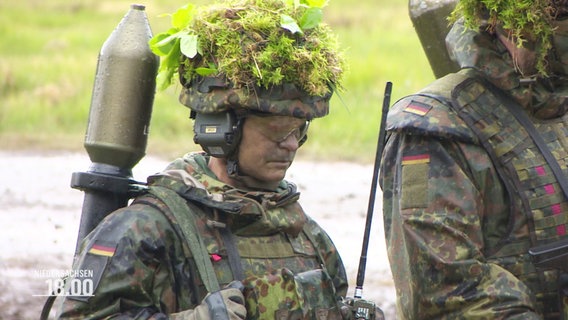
column 285, row 295
column 466, row 192
column 143, row 264
column 213, row 95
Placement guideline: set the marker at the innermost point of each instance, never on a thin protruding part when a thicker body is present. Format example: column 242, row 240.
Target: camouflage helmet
column 213, row 95
column 528, row 23
column 272, row 56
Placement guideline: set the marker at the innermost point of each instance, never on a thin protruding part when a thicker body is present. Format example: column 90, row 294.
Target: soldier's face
column 268, row 147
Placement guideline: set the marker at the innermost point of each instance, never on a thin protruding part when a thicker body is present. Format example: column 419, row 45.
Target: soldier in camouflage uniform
column 469, row 180
column 220, row 237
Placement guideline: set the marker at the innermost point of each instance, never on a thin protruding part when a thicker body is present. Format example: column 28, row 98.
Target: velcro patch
column 414, row 189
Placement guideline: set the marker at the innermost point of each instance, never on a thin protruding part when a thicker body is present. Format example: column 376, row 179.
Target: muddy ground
column 40, row 214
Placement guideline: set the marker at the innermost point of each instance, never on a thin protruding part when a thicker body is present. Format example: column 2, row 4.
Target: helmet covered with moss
column 528, row 23
column 274, row 56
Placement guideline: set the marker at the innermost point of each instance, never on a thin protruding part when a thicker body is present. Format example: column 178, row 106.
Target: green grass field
column 48, row 57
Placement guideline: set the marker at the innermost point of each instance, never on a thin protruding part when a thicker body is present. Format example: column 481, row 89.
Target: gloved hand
column 360, row 309
column 225, row 304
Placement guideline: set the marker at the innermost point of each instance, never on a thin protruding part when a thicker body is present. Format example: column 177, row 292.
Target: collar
column 247, row 212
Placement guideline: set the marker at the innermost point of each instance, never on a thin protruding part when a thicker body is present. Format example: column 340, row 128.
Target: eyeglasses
column 280, row 128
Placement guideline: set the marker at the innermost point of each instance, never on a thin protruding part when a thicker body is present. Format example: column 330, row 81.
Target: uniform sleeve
column 129, row 260
column 443, row 204
column 331, row 257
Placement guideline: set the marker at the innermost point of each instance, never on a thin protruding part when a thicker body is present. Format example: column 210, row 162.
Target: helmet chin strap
column 233, row 156
column 233, row 169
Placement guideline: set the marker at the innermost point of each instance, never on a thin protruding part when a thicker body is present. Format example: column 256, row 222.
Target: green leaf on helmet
column 182, row 17
column 315, row 3
column 311, row 18
column 205, row 71
column 164, row 79
column 188, row 45
column 166, row 71
column 289, row 24
column 160, row 44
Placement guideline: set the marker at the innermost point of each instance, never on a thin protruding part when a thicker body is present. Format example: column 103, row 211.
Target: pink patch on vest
column 556, row 209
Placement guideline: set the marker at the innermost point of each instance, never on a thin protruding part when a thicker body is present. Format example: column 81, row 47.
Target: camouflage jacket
column 143, row 266
column 457, row 235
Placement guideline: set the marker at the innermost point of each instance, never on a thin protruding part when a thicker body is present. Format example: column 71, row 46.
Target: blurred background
column 48, row 58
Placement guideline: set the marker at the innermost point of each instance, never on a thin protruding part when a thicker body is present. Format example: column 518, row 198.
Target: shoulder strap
column 179, row 208
column 232, row 253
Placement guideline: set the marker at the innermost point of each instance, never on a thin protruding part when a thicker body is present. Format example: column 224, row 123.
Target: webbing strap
column 522, row 118
column 180, row 210
column 232, row 253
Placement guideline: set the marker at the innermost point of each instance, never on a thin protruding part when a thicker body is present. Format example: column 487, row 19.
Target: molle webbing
column 520, row 157
column 536, row 197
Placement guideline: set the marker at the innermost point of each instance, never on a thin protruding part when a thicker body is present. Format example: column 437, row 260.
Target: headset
column 217, row 133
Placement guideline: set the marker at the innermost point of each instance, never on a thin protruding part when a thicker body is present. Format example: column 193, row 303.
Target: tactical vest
column 297, row 286
column 538, row 208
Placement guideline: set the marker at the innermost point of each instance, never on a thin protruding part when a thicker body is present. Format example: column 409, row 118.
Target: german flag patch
column 417, row 108
column 95, row 260
column 416, row 159
column 102, row 250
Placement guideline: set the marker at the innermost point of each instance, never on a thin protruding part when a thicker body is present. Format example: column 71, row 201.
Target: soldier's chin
column 270, row 183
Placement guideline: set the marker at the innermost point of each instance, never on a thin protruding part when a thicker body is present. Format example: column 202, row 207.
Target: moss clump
column 528, row 21
column 252, row 43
